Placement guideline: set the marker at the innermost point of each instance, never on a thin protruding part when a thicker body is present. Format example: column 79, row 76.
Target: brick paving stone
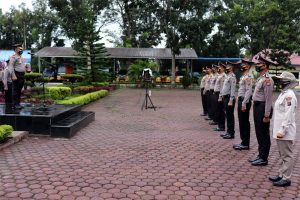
column 126, row 153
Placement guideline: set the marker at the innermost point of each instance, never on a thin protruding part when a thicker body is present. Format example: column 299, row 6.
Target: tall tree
column 137, row 19
column 45, row 25
column 79, row 21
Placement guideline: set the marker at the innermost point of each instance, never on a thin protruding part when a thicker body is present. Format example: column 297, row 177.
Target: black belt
column 259, row 102
column 241, row 98
column 227, row 96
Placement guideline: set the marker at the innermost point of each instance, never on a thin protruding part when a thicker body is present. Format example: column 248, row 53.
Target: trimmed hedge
column 58, row 93
column 100, row 83
column 84, row 99
column 5, row 131
column 73, row 77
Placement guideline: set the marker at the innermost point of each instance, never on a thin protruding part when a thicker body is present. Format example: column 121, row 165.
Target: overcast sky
column 6, row 4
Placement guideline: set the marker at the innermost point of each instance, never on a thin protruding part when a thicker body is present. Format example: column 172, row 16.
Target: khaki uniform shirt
column 263, row 92
column 284, row 115
column 229, row 86
column 245, row 88
column 202, row 84
column 207, row 84
column 17, row 63
column 219, row 82
column 213, row 81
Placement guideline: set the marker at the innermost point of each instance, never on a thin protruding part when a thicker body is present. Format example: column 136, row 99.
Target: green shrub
column 5, row 131
column 100, row 83
column 32, row 77
column 58, row 93
column 186, row 81
column 84, row 99
column 72, row 77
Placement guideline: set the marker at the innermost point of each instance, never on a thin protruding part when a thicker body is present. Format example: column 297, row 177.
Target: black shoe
column 203, row 114
column 213, row 123
column 282, row 183
column 223, row 134
column 208, row 118
column 241, row 147
column 219, row 129
column 259, row 162
column 236, row 145
column 275, row 178
column 228, row 137
column 18, row 106
column 253, row 159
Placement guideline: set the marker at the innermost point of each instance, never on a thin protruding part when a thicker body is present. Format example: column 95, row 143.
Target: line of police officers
column 218, row 90
column 219, row 96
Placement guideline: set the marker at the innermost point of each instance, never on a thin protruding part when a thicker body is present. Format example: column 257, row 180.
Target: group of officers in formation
column 218, row 92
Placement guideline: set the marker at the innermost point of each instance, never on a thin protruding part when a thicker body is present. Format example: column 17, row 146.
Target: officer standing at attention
column 228, row 94
column 284, row 127
column 17, row 68
column 204, row 100
column 220, row 114
column 206, row 91
column 212, row 99
column 262, row 110
column 244, row 105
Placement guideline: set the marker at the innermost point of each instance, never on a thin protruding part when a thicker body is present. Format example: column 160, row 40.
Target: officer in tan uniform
column 284, row 127
column 213, row 99
column 244, row 104
column 203, row 97
column 262, row 110
column 220, row 114
column 17, row 67
column 206, row 91
column 228, row 95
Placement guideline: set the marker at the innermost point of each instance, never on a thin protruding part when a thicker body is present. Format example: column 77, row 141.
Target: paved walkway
column 127, row 153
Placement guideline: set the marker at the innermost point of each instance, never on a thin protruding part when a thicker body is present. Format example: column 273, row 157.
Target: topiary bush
column 186, row 81
column 72, row 78
column 58, row 93
column 5, row 131
column 84, row 99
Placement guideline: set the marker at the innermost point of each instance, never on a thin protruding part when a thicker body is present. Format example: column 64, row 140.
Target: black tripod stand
column 147, row 97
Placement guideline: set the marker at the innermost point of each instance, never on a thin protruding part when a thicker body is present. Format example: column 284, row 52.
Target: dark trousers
column 204, row 101
column 209, row 104
column 262, row 130
column 221, row 115
column 215, row 106
column 17, row 87
column 229, row 111
column 244, row 123
column 9, row 94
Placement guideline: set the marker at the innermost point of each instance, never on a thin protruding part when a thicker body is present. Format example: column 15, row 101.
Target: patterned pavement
column 126, row 153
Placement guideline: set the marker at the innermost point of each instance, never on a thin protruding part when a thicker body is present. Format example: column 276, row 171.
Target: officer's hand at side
column 230, row 103
column 280, row 135
column 14, row 78
column 266, row 119
column 243, row 108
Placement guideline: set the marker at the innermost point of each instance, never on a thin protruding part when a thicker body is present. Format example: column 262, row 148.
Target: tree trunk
column 173, row 69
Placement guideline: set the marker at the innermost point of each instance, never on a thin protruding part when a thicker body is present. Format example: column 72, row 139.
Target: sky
column 5, row 5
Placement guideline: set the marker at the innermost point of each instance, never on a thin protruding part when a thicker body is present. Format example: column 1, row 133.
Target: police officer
column 220, row 114
column 284, row 128
column 206, row 91
column 213, row 100
column 262, row 110
column 244, row 105
column 17, row 68
column 228, row 94
column 203, row 97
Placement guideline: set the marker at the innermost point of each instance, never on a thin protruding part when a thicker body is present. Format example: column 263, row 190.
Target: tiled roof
column 158, row 53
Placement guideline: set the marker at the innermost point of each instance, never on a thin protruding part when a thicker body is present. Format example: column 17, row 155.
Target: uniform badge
column 268, row 82
column 288, row 101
